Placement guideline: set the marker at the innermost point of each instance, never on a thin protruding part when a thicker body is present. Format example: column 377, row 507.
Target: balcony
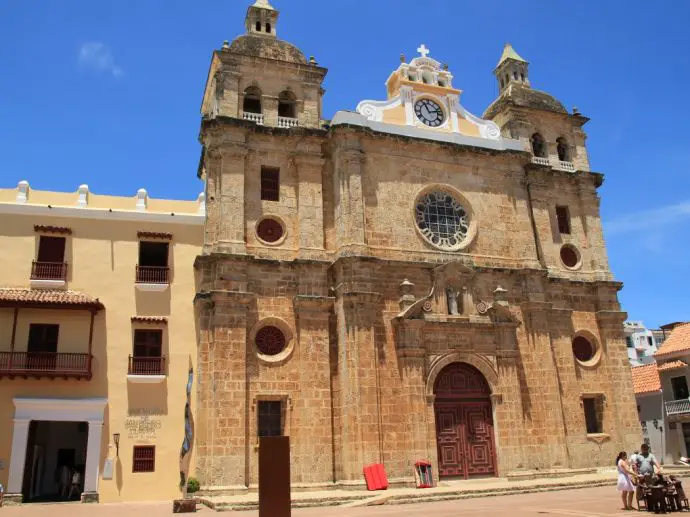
column 538, row 160
column 287, row 122
column 45, row 364
column 152, row 278
column 254, row 117
column 678, row 407
column 146, row 369
column 566, row 166
column 48, row 274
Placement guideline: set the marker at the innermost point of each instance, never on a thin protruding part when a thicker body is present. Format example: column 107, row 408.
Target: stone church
column 407, row 281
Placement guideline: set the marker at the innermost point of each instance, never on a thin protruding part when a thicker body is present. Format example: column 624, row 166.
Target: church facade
column 404, row 282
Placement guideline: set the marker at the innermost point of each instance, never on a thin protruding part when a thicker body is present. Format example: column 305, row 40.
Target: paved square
column 588, row 502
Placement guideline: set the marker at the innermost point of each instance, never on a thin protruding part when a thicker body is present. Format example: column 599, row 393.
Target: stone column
column 20, row 438
column 230, row 177
column 310, row 202
column 93, row 461
column 358, row 411
column 349, row 213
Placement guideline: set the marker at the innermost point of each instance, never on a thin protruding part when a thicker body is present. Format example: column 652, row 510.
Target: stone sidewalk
column 446, row 491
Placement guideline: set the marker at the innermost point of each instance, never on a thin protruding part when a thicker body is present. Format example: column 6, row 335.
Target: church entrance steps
column 451, row 490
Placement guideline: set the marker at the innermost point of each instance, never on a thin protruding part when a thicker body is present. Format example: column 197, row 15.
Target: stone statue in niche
column 454, row 306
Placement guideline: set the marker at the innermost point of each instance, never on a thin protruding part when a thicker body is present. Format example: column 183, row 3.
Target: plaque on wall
column 108, row 469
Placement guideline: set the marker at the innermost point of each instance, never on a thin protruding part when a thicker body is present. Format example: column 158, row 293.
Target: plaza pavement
column 583, row 502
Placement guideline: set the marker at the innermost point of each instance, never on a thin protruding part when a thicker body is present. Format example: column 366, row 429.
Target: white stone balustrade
column 540, row 161
column 678, row 407
column 566, row 166
column 254, row 117
column 287, row 122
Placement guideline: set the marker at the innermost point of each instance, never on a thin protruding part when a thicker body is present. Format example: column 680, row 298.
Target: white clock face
column 429, row 112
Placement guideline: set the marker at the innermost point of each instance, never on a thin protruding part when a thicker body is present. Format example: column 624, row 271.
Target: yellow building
column 97, row 337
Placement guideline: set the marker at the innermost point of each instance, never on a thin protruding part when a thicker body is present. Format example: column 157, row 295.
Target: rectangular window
column 680, row 388
column 51, row 249
column 144, row 458
column 563, row 216
column 153, row 254
column 593, row 414
column 148, row 343
column 270, row 418
column 650, row 341
column 43, row 338
column 270, row 184
column 629, row 342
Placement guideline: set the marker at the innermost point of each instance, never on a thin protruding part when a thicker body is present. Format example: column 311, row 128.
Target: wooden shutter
column 51, row 249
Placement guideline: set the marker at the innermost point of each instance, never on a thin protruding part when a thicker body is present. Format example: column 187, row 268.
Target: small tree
column 192, row 485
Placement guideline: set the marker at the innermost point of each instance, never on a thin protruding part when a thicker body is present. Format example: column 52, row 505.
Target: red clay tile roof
column 150, row 319
column 672, row 365
column 646, row 379
column 677, row 341
column 18, row 297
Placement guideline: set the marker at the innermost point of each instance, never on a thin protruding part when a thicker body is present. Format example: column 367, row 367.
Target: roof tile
column 672, row 365
column 17, row 297
column 677, row 341
column 646, row 379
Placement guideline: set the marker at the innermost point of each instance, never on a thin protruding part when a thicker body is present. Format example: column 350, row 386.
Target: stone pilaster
column 312, row 451
column 358, row 412
column 349, row 191
column 545, row 445
column 269, row 106
column 411, row 354
column 231, row 236
column 222, row 444
column 310, row 202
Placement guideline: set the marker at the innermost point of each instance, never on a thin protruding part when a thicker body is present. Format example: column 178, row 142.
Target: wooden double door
column 464, row 424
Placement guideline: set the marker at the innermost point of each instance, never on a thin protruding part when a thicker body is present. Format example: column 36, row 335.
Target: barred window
column 270, row 423
column 144, row 458
column 270, row 184
column 563, row 216
column 442, row 220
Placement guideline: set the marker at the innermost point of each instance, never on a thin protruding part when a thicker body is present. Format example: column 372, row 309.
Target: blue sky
column 108, row 93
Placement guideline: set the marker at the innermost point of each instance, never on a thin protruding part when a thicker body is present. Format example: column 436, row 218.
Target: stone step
column 296, row 503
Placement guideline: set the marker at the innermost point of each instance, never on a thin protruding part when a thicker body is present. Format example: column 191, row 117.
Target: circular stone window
column 270, row 341
column 570, row 256
column 583, row 349
column 270, row 230
column 442, row 220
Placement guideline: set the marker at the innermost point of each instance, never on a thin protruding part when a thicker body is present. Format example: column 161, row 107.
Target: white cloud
column 654, row 219
column 98, row 56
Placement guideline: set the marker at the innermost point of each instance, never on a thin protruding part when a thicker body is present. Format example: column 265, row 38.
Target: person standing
column 646, row 462
column 625, row 485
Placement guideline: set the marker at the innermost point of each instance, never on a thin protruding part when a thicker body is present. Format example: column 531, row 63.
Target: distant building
column 641, row 342
column 650, row 407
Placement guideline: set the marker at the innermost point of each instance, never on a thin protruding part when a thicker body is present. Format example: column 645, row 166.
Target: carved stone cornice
column 611, row 318
column 364, row 298
column 536, row 306
column 308, row 161
column 240, row 299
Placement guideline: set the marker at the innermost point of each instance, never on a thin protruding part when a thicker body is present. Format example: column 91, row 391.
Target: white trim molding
column 145, row 379
column 48, row 284
column 88, row 410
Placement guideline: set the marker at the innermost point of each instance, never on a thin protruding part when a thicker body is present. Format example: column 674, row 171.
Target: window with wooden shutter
column 51, row 249
column 270, row 184
column 144, row 458
column 148, row 343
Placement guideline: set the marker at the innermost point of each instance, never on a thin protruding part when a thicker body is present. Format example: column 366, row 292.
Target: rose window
column 270, row 341
column 442, row 220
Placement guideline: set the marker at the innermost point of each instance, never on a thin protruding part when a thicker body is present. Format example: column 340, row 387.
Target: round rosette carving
column 482, row 307
column 426, row 306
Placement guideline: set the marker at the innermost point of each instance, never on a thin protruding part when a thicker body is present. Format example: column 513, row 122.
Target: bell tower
column 261, row 19
column 511, row 69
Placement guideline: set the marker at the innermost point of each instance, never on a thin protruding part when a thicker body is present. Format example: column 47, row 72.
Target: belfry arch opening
column 252, row 100
column 464, row 423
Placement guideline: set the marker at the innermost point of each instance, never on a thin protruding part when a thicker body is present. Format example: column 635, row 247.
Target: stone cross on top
column 423, row 50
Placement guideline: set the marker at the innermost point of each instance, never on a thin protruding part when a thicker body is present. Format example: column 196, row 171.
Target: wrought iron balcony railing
column 48, row 271
column 146, row 366
column 153, row 275
column 678, row 407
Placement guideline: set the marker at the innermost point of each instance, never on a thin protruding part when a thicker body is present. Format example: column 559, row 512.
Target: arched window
column 268, row 28
column 286, row 105
column 538, row 145
column 252, row 100
column 563, row 153
column 258, row 26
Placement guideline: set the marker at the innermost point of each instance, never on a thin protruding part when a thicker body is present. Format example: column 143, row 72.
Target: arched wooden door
column 464, row 423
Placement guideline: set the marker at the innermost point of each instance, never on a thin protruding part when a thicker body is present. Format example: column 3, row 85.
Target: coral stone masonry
column 419, row 298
